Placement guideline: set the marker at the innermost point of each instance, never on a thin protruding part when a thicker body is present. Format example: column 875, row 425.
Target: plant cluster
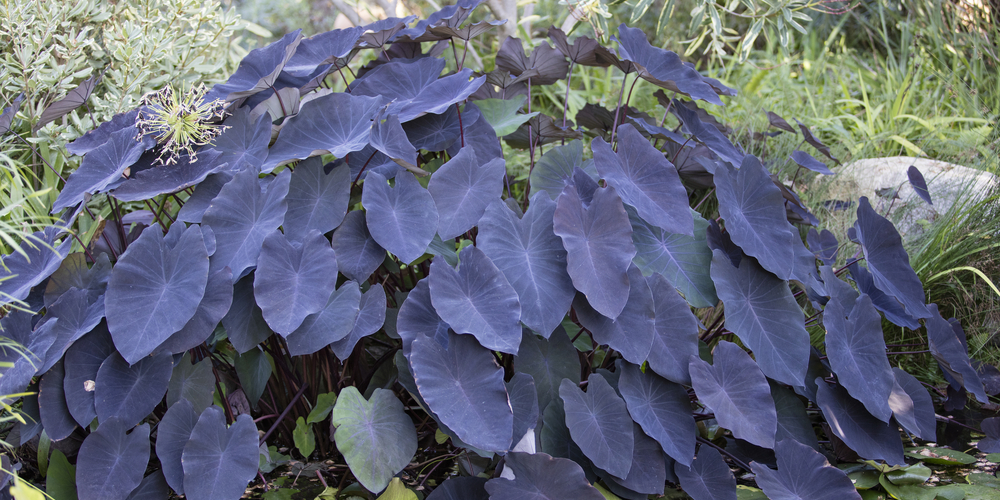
column 357, row 274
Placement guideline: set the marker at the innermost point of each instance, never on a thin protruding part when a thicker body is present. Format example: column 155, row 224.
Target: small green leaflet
column 305, row 439
column 397, row 491
column 61, row 480
column 324, row 403
column 502, row 114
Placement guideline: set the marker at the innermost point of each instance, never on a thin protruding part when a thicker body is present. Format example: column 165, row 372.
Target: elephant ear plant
column 360, row 277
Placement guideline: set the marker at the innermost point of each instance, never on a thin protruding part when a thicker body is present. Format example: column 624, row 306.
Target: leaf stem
column 283, row 414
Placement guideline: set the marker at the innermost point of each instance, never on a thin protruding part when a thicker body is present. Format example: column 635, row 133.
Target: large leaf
column 258, row 70
column 241, row 216
column 948, row 350
column 36, row 258
column 632, row 332
column 539, row 476
column 82, row 362
column 376, row 437
column 912, row 406
column 461, row 488
column 244, row 142
column 856, row 349
column 332, row 323
column 663, row 67
column 322, row 49
column 219, row 462
column 194, row 382
column 172, row 433
column 888, row 262
column 754, row 211
column 72, row 316
column 102, row 166
column 708, row 477
column 544, row 66
column 662, row 409
column 598, row 240
column 358, row 254
column 213, row 307
column 244, row 323
column 52, row 407
column 887, row 304
column 317, row 198
column 389, row 138
column 645, row 180
column 95, row 137
column 167, row 275
column 761, row 310
column 370, row 318
column 648, row 471
column 152, row 487
column 130, row 393
column 414, row 87
column 793, row 422
column 555, row 168
column 436, row 132
column 524, row 403
column 803, row 474
column 675, row 335
column 417, row 318
column 110, row 463
column 548, row 361
column 186, row 172
column 338, row 123
column 839, row 290
column 737, row 392
column 600, row 424
column 477, row 299
column 195, row 206
column 18, row 356
column 851, row 422
column 462, row 189
column 293, row 279
column 684, row 260
column 74, row 272
column 402, row 219
column 465, row 388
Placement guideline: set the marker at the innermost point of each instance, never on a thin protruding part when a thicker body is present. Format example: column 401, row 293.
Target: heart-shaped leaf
column 684, row 260
column 793, row 422
column 803, row 474
column 293, row 279
column 213, row 307
column 460, row 488
column 258, row 70
column 532, row 259
column 856, row 350
column 317, row 198
column 332, row 323
column 600, row 424
column 436, row 132
column 887, row 304
column 172, row 433
column 544, row 66
column 417, row 318
column 555, row 168
column 806, row 160
column 761, row 310
column 102, row 166
column 358, row 254
column 389, row 138
column 477, row 299
column 324, row 48
column 823, row 245
column 244, row 323
column 152, row 487
column 219, row 462
column 708, row 477
column 462, row 189
column 241, row 216
column 195, row 206
column 187, row 171
column 167, row 275
column 948, row 350
column 414, row 87
column 371, row 317
column 736, row 390
column 376, row 437
column 663, row 67
column 244, row 142
column 662, row 409
column 648, row 471
column 82, row 362
column 542, row 477
column 52, row 406
column 402, row 219
column 912, row 406
column 675, row 335
column 465, row 388
column 110, row 463
column 129, row 393
column 73, row 315
column 95, row 137
column 851, row 422
column 632, row 332
column 35, row 259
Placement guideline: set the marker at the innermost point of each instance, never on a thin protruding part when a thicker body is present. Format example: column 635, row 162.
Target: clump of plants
column 356, row 276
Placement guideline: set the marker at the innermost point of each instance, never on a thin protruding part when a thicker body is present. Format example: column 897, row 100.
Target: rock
column 947, row 183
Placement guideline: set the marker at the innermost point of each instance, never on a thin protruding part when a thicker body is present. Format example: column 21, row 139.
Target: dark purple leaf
column 803, row 474
column 645, row 180
column 187, row 172
column 823, row 245
column 912, row 406
column 477, row 299
column 648, row 471
column 532, row 259
column 888, row 305
column 600, row 424
column 754, row 211
column 814, row 142
column 110, row 463
column 435, row 132
column 858, row 429
column 322, row 49
column 219, row 462
column 7, row 117
column 761, row 310
column 77, row 314
column 74, row 272
column 990, row 443
column 555, row 438
column 358, row 254
column 213, row 307
column 83, row 360
column 195, row 206
column 389, row 139
column 856, row 350
column 539, row 476
column 74, row 99
column 403, row 218
column 103, row 166
column 244, row 323
column 708, row 477
column 244, row 142
column 806, row 160
column 776, row 121
column 948, row 350
column 793, row 421
column 52, row 406
column 95, row 137
column 662, row 409
column 736, row 390
column 152, row 487
column 543, row 130
column 599, row 249
column 888, row 261
column 461, row 488
column 707, row 134
column 241, row 216
column 414, row 87
column 371, row 317
column 172, row 433
column 545, row 64
column 555, row 168
column 258, row 70
column 663, row 67
column 332, row 323
column 584, row 50
column 130, row 393
column 465, row 388
column 468, row 32
column 632, row 332
column 524, row 403
column 462, row 188
column 339, row 123
column 293, row 279
column 683, row 260
column 379, row 32
column 417, row 318
column 548, row 361
column 167, row 279
column 919, row 184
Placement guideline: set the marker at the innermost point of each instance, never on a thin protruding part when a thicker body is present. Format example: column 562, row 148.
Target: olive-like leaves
column 111, row 463
column 402, row 219
column 219, row 462
column 803, row 474
column 600, row 424
column 293, row 280
column 376, row 437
